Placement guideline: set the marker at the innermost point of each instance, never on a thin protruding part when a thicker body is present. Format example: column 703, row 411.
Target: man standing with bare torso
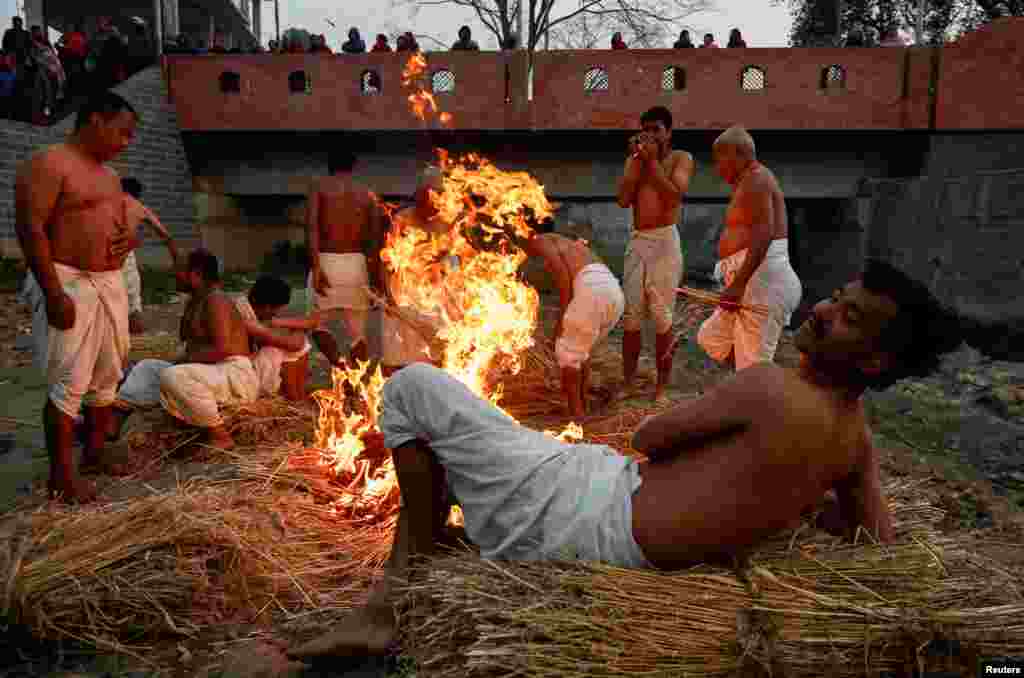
column 591, row 304
column 344, row 222
column 653, row 184
column 754, row 259
column 68, row 219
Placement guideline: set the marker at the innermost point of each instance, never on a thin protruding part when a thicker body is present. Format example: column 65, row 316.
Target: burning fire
column 421, row 100
column 468, row 277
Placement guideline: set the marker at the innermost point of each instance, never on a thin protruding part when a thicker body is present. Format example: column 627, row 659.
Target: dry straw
column 707, row 298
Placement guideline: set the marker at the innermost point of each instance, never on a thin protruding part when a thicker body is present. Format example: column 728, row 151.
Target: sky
column 762, row 23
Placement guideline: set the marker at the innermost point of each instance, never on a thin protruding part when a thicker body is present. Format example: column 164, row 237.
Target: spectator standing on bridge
column 319, row 45
column 218, row 44
column 618, row 42
column 48, row 77
column 74, row 48
column 407, row 43
column 382, row 44
column 709, row 40
column 7, row 83
column 465, row 41
column 17, row 42
column 855, row 38
column 736, row 39
column 354, row 44
column 684, row 41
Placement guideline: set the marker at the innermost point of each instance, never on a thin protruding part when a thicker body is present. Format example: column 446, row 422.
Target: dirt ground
column 960, row 428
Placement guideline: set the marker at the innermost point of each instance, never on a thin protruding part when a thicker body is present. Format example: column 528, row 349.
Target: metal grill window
column 833, row 77
column 752, row 79
column 370, row 82
column 299, row 83
column 595, row 80
column 443, row 82
column 673, row 79
column 230, row 82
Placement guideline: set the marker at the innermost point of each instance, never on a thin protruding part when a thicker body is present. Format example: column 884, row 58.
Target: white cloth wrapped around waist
column 596, row 308
column 349, row 278
column 651, row 273
column 194, row 392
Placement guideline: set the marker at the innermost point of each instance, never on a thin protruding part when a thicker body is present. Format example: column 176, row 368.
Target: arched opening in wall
column 369, row 82
column 833, row 78
column 442, row 82
column 673, row 79
column 230, row 82
column 595, row 80
column 752, row 79
column 299, row 83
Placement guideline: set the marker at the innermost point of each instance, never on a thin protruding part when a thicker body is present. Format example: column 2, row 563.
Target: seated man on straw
column 653, row 183
column 406, row 332
column 591, row 304
column 344, row 223
column 754, row 260
column 280, row 359
column 724, row 471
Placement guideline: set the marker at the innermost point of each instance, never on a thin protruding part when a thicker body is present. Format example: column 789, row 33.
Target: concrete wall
column 156, row 158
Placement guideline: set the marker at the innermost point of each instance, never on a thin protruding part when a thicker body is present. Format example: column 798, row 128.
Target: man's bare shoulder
column 54, row 158
column 755, row 387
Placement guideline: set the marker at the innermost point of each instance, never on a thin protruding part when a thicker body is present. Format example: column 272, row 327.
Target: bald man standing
column 753, row 262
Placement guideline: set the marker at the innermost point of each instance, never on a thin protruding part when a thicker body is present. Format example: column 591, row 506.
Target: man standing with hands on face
column 69, row 220
column 653, row 184
column 754, row 259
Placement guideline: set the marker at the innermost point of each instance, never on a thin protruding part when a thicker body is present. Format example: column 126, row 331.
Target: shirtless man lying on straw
column 591, row 304
column 279, row 358
column 69, row 224
column 407, row 332
column 344, row 224
column 653, row 183
column 724, row 471
column 754, row 259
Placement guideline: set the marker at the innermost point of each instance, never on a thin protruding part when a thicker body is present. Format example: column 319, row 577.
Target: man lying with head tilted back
column 724, row 471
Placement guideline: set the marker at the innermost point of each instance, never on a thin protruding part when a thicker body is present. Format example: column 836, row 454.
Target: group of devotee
column 721, row 471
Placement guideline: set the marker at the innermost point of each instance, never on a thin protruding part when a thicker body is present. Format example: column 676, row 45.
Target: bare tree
column 577, row 23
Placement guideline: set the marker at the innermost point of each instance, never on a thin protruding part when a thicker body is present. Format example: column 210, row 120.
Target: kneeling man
column 591, row 303
column 724, row 471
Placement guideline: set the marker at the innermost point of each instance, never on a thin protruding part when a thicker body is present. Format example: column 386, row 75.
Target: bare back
column 559, row 251
column 89, row 209
column 343, row 212
column 730, row 493
column 650, row 210
column 197, row 329
column 740, row 216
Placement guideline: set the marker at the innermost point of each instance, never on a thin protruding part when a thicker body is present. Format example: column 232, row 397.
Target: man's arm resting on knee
column 726, row 410
column 861, row 502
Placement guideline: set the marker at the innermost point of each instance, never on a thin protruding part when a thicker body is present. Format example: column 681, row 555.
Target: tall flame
column 468, row 276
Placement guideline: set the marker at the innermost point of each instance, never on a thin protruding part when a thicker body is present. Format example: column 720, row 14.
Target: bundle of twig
column 121, row 575
column 159, row 345
column 708, row 298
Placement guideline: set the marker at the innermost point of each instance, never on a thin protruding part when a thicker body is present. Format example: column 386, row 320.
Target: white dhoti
column 652, row 272
column 85, row 362
column 524, row 494
column 194, row 392
column 141, row 388
column 268, row 360
column 596, row 307
column 347, row 295
column 133, row 283
column 754, row 337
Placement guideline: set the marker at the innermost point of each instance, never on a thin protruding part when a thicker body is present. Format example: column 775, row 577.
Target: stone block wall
column 156, row 158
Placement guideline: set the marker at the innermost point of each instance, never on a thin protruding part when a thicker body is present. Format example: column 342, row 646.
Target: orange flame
column 414, row 76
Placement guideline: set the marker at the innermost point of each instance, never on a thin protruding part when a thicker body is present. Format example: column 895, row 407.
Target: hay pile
column 805, row 605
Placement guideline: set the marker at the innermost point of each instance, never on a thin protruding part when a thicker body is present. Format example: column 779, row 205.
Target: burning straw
column 811, row 606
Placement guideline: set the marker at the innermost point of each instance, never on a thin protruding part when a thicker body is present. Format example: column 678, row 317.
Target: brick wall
column 156, row 158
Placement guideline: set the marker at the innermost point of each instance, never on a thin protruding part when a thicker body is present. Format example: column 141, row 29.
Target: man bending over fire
column 724, row 471
column 591, row 304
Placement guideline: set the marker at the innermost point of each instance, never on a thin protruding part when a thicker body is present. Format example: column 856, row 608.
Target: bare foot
column 74, row 492
column 369, row 631
column 219, row 437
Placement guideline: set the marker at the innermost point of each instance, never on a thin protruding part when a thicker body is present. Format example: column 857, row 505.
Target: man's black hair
column 132, row 187
column 340, row 160
column 105, row 103
column 269, row 290
column 466, row 29
column 658, row 114
column 546, row 225
column 923, row 330
column 205, row 262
